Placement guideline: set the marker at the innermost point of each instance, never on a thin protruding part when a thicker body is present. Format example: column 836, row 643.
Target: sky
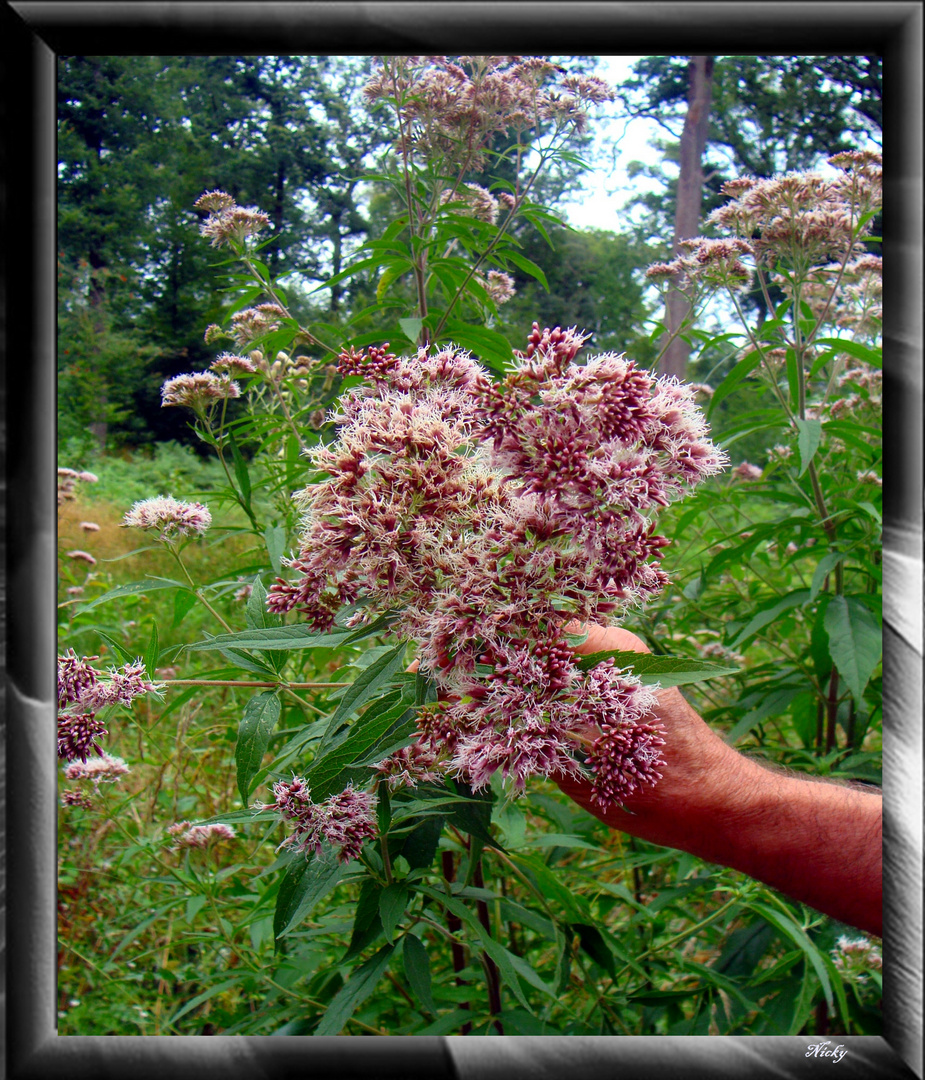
column 606, row 190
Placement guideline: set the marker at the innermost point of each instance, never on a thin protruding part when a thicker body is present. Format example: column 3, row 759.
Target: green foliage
column 468, row 912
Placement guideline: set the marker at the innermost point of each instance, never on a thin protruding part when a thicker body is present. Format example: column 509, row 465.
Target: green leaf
column 213, row 991
column 275, row 538
column 183, row 603
column 329, row 770
column 417, row 971
column 873, row 357
column 275, row 637
column 528, row 267
column 798, row 936
column 741, row 371
column 485, row 343
column 593, row 943
column 662, row 670
column 855, row 641
column 392, row 273
column 305, row 882
column 766, row 616
column 411, row 328
column 135, row 588
column 810, row 435
column 367, row 684
column 823, row 568
column 255, row 613
column 118, row 648
column 499, row 954
column 355, row 991
column 240, row 471
column 261, row 715
column 392, row 903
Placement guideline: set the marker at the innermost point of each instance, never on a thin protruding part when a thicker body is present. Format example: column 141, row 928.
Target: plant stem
column 492, row 977
column 173, row 551
column 454, row 925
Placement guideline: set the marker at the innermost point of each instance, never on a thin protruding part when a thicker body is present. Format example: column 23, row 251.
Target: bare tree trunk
column 689, row 199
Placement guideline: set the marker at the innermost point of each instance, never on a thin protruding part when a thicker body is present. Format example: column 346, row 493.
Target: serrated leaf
column 799, row 937
column 765, row 617
column 135, row 588
column 304, row 883
column 411, row 328
column 255, row 613
column 664, row 670
column 274, row 537
column 823, row 568
column 183, row 603
column 808, row 439
column 417, row 971
column 392, row 903
column 367, row 684
column 261, row 715
column 855, row 641
column 354, row 992
column 275, row 637
column 328, row 771
column 240, row 470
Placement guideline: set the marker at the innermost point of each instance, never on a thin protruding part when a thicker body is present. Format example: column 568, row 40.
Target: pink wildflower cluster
column 199, row 836
column 798, row 221
column 489, row 517
column 253, row 323
column 172, row 517
column 199, row 390
column 100, row 770
column 67, row 483
column 452, row 109
column 855, row 958
column 83, row 692
column 345, row 820
column 227, row 222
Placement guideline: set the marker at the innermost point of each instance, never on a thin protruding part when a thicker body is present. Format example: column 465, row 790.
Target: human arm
column 815, row 841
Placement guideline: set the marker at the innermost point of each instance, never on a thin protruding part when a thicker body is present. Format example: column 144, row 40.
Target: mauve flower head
column 488, row 516
column 99, row 770
column 344, row 820
column 799, row 220
column 253, row 323
column 82, row 556
column 89, row 526
column 171, row 516
column 232, row 365
column 83, row 692
column 199, row 391
column 199, row 836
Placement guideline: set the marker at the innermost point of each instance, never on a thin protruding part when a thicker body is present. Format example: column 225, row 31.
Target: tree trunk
column 689, row 199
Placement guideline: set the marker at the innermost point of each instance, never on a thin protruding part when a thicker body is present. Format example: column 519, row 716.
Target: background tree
column 767, row 115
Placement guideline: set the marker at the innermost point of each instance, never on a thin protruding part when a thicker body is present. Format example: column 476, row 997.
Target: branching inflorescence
column 489, row 517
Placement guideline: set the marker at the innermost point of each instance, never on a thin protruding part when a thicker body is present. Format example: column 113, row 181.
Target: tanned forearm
column 814, row 841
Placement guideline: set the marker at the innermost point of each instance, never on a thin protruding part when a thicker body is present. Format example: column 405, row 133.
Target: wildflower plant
column 428, row 531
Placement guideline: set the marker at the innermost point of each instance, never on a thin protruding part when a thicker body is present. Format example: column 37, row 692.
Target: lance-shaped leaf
column 355, row 991
column 305, row 882
column 135, row 588
column 329, row 773
column 663, row 670
column 260, row 718
column 417, row 970
column 855, row 641
column 367, row 684
column 810, row 435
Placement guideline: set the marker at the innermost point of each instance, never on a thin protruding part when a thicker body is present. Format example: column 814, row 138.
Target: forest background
column 139, row 139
